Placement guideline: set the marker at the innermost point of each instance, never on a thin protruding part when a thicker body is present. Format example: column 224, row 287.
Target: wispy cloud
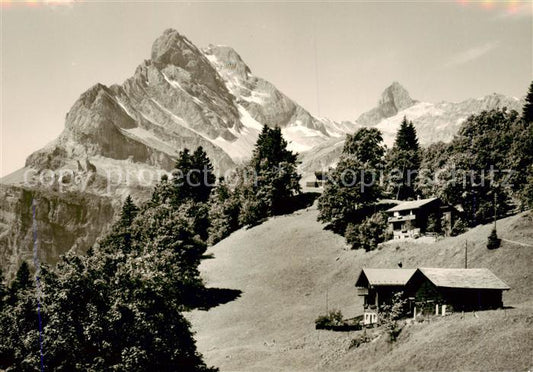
column 471, row 54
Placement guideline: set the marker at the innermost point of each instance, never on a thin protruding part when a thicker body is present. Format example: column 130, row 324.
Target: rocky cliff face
column 64, row 221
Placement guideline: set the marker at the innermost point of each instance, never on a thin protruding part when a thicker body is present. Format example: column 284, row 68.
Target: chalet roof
column 464, row 278
column 413, row 204
column 384, row 277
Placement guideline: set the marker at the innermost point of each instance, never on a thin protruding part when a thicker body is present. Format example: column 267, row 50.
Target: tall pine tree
column 120, row 236
column 403, row 162
column 406, row 138
column 271, row 150
column 204, row 176
column 22, row 279
column 193, row 177
column 527, row 111
column 276, row 178
column 129, row 211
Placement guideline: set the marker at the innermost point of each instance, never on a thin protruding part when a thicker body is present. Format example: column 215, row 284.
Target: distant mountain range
column 433, row 121
column 182, row 97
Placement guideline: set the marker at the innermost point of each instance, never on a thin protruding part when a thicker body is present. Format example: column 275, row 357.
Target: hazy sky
column 332, row 58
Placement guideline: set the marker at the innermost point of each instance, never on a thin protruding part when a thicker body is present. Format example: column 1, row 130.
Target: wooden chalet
column 410, row 219
column 378, row 286
column 454, row 290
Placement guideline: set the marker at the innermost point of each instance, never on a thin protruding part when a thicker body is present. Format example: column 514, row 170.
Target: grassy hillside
column 290, row 270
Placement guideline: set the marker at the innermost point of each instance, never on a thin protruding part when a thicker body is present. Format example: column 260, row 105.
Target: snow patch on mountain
column 301, row 139
column 339, row 129
column 389, row 126
column 150, row 139
column 241, row 149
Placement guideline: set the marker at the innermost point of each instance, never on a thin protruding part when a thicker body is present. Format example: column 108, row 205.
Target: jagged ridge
column 181, row 97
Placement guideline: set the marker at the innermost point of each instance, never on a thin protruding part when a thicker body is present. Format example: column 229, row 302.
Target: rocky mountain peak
column 394, row 98
column 227, row 60
column 173, row 48
column 91, row 95
column 181, row 97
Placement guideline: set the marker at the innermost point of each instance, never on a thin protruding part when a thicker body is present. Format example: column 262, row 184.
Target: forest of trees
column 263, row 188
column 120, row 306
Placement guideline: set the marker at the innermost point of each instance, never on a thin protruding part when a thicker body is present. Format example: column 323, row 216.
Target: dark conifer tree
column 271, row 150
column 203, row 175
column 406, row 138
column 22, row 279
column 181, row 186
column 129, row 211
column 193, row 177
column 527, row 110
column 120, row 236
column 403, row 162
column 493, row 241
column 163, row 192
column 276, row 176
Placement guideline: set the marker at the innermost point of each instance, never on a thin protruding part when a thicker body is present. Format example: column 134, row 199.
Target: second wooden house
column 445, row 290
column 411, row 219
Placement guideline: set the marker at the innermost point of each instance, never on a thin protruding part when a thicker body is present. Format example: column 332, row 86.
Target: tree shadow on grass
column 291, row 205
column 209, row 298
column 208, row 256
column 297, row 202
column 335, row 228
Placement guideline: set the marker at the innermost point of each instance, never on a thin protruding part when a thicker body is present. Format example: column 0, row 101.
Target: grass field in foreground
column 289, row 270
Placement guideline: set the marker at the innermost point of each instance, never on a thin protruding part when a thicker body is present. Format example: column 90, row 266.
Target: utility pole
column 327, row 307
column 495, row 214
column 466, row 254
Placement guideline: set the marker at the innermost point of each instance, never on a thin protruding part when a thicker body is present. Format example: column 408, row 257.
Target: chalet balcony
column 362, row 291
column 409, row 217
